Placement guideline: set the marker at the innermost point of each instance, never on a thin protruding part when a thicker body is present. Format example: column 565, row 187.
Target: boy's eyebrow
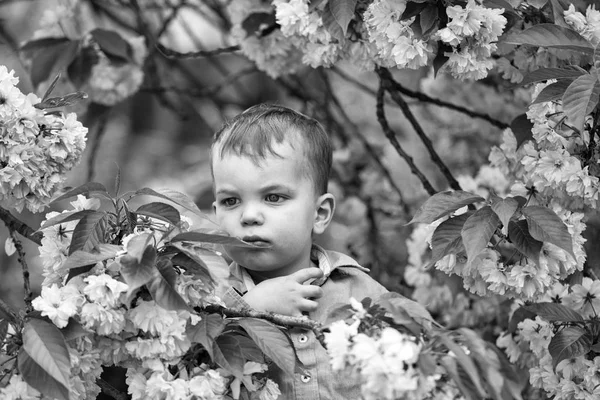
column 225, row 191
column 275, row 187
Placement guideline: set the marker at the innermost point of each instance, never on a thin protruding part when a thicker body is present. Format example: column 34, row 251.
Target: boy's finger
column 308, row 305
column 312, row 292
column 305, row 274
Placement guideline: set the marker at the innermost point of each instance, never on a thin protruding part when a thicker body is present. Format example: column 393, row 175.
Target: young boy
column 270, row 169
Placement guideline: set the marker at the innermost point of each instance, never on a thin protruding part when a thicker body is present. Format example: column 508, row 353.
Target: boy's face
column 273, row 204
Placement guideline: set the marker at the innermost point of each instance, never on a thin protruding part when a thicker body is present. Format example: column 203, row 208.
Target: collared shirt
column 343, row 278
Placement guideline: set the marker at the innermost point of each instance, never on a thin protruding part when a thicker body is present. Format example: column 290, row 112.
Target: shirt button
column 305, row 378
column 303, row 338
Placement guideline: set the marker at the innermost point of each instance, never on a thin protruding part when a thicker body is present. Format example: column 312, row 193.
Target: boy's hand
column 286, row 294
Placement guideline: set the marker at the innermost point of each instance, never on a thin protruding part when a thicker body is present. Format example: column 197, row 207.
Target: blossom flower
column 17, row 389
column 338, row 342
column 104, row 290
column 585, row 297
column 102, row 320
column 58, row 303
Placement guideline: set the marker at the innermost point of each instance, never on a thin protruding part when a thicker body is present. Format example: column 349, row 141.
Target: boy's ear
column 324, row 210
column 214, row 205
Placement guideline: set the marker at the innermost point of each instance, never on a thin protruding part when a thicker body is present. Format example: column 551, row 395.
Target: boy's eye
column 273, row 198
column 229, row 202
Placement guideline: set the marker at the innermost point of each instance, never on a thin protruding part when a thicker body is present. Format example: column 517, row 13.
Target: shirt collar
column 328, row 261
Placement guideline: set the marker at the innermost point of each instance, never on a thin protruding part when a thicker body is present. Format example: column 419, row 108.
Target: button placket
column 302, row 338
column 305, row 378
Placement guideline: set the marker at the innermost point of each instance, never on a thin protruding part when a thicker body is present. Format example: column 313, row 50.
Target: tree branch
column 168, row 53
column 100, row 130
column 26, row 283
column 391, row 135
column 387, row 83
column 425, row 99
column 22, row 228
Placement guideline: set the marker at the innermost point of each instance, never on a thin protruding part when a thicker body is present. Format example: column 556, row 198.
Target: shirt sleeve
column 234, row 299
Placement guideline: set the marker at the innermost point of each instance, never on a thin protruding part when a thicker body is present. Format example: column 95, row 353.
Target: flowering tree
column 496, row 262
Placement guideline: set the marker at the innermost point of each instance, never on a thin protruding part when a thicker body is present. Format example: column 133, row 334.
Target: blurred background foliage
column 160, row 136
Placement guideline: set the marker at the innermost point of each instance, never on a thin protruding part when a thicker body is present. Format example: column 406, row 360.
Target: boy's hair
column 253, row 132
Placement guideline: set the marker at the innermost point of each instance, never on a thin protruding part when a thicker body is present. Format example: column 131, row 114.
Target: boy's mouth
column 257, row 241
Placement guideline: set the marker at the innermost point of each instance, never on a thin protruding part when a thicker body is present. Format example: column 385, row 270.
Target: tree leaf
column 467, row 389
column 550, row 35
column 520, row 315
column 174, row 196
column 67, row 217
column 272, row 341
column 428, row 18
column 553, row 92
column 198, row 269
column 74, row 330
column 205, row 331
column 229, row 357
column 161, row 211
column 62, row 101
column 138, row 273
column 546, row 226
column 80, row 258
column 571, row 342
column 112, row 44
column 554, row 312
column 89, row 232
column 505, row 208
column 330, row 23
column 3, row 330
column 442, row 204
column 80, row 69
column 518, row 233
column 393, row 302
column 478, row 230
column 544, row 74
column 413, row 9
column 257, row 23
column 137, row 245
column 447, row 238
column 558, row 13
column 214, row 262
column 342, row 11
column 205, row 236
column 580, row 99
column 50, row 56
column 465, row 362
column 162, row 287
column 88, row 190
column 521, row 127
column 44, row 361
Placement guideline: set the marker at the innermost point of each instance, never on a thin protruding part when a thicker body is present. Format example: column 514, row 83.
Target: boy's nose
column 251, row 216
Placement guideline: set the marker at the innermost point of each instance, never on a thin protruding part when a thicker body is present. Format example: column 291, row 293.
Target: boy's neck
column 259, row 276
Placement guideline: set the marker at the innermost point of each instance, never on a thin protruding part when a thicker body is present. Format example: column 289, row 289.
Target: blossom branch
column 391, row 135
column 26, row 284
column 22, row 228
column 103, row 113
column 387, row 83
column 168, row 53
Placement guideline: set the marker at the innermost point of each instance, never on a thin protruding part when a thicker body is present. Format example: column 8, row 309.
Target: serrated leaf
column 553, row 92
column 173, row 196
column 558, row 13
column 554, row 312
column 80, row 69
column 447, row 238
column 138, row 273
column 412, row 9
column 206, row 331
column 162, row 287
column 257, row 22
column 546, row 226
column 3, row 330
column 51, row 87
column 428, row 18
column 205, row 236
column 521, row 127
column 465, row 362
column 520, row 315
column 505, row 209
column 87, row 190
column 74, row 330
column 518, row 233
column 331, row 25
column 242, row 344
column 89, row 232
column 198, row 269
column 228, row 358
column 571, row 342
column 138, row 244
column 451, row 367
column 214, row 262
column 46, row 358
column 580, row 99
column 49, row 56
column 544, row 74
column 442, row 204
column 272, row 341
column 80, row 258
column 550, row 35
column 161, row 211
column 62, row 101
column 343, row 12
column 66, row 217
column 478, row 230
column 394, row 302
column 441, row 58
column 112, row 44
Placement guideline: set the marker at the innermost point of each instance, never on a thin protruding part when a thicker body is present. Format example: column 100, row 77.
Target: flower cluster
column 383, row 360
column 377, row 36
column 37, row 148
column 124, row 326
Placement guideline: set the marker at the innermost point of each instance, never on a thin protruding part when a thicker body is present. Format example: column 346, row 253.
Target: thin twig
column 170, row 18
column 387, row 83
column 110, row 390
column 26, row 283
column 370, row 149
column 422, row 97
column 16, row 225
column 391, row 135
column 169, row 53
column 100, row 130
